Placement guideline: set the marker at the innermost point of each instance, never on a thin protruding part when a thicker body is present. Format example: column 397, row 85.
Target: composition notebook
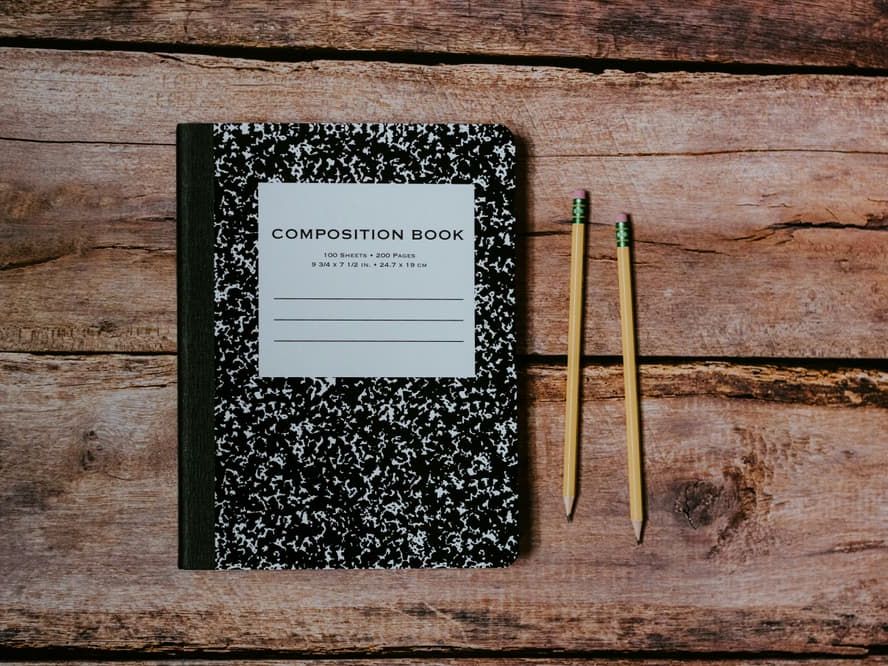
column 347, row 379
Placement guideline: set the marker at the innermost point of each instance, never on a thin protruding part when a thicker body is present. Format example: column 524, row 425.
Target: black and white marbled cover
column 364, row 472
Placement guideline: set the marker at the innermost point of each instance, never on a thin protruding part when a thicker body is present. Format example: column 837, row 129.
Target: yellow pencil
column 627, row 331
column 574, row 335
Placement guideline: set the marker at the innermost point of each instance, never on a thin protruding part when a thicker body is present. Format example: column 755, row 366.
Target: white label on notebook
column 367, row 280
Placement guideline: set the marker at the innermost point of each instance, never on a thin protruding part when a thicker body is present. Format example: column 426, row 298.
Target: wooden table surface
column 750, row 141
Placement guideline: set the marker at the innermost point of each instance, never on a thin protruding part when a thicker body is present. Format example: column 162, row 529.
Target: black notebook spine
column 196, row 347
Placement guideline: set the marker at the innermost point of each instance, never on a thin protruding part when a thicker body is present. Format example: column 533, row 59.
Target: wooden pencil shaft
column 574, row 336
column 627, row 334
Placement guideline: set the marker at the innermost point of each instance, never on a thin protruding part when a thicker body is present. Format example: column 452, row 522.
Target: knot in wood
column 698, row 501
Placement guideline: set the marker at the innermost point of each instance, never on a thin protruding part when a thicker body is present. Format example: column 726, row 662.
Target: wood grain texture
column 799, row 32
column 767, row 525
column 760, row 203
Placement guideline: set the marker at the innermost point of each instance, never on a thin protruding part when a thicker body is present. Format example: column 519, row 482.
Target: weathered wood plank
column 87, row 247
column 767, row 526
column 752, row 31
column 755, row 237
column 760, row 203
column 52, row 95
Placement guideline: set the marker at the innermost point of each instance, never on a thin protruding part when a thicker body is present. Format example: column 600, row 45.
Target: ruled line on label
column 359, row 298
column 326, row 340
column 372, row 319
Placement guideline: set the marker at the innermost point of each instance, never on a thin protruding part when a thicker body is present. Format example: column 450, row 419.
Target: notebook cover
column 282, row 472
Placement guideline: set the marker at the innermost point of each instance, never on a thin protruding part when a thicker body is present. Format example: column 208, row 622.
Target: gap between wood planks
column 524, row 360
column 540, row 156
column 849, row 383
column 430, row 59
column 870, row 655
column 559, row 362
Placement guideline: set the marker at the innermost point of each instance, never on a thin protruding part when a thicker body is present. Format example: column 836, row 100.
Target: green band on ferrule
column 622, row 234
column 579, row 211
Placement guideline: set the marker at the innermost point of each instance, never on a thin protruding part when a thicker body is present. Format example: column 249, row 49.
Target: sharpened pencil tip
column 636, row 525
column 568, row 507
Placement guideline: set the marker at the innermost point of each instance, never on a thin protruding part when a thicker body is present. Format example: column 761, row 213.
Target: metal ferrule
column 579, row 211
column 622, row 234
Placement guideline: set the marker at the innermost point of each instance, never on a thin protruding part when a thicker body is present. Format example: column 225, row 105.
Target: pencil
column 574, row 335
column 627, row 335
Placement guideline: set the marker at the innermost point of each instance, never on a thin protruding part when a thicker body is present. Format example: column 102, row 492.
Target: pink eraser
column 580, row 194
column 623, row 217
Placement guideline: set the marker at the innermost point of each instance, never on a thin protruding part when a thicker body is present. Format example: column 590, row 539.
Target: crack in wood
column 708, row 153
column 39, row 261
column 101, row 142
column 855, row 547
column 536, row 156
column 873, row 223
column 200, row 63
column 36, row 261
column 679, row 246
